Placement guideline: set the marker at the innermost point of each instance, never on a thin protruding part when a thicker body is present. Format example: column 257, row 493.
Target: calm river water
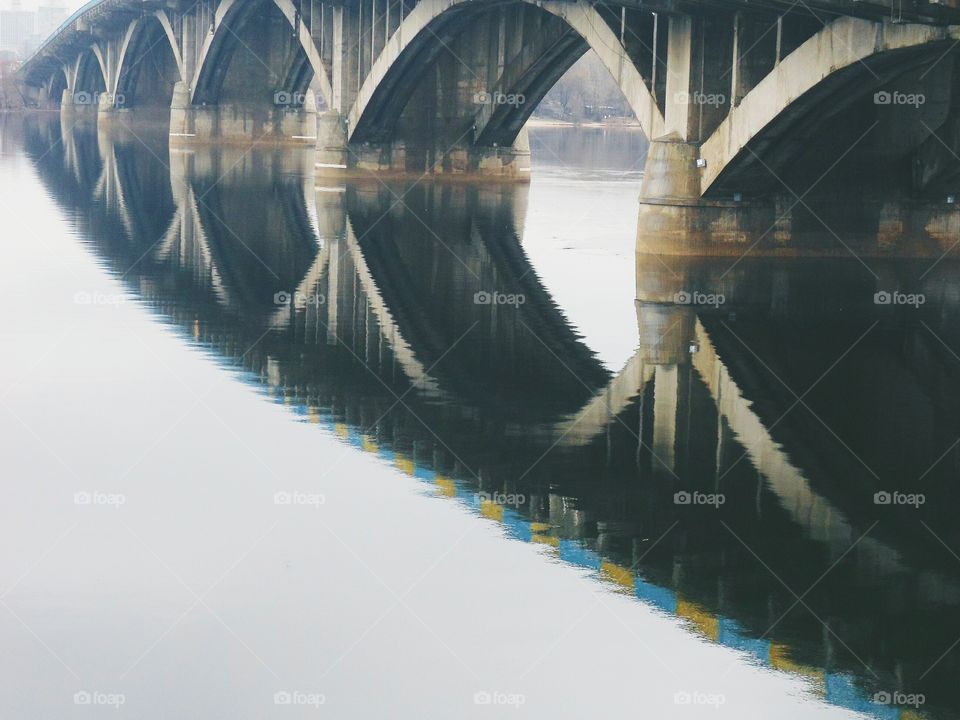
column 275, row 448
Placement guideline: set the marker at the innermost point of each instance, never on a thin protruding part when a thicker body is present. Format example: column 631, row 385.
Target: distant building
column 21, row 31
column 18, row 30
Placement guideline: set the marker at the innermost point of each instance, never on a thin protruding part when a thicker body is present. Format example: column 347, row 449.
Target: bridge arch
column 56, row 85
column 309, row 66
column 293, row 73
column 428, row 31
column 843, row 64
column 149, row 65
column 218, row 48
column 89, row 77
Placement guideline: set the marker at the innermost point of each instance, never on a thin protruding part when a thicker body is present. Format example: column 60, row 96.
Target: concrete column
column 66, row 105
column 666, row 388
column 678, row 115
column 188, row 44
column 181, row 116
column 736, row 92
column 333, row 285
column 755, row 51
column 345, row 59
column 331, row 144
column 783, row 219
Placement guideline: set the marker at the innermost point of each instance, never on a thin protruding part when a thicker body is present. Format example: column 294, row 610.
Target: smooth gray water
column 389, row 497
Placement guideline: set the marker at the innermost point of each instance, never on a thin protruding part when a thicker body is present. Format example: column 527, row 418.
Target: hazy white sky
column 70, row 5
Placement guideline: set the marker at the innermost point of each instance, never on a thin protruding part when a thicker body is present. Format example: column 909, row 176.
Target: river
column 283, row 448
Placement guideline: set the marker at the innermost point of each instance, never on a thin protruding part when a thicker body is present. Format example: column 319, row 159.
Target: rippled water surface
column 282, row 448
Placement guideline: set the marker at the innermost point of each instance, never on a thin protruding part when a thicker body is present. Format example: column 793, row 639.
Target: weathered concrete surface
column 843, row 43
column 782, row 227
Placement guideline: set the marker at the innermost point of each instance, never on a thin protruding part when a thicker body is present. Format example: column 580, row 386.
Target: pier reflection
column 726, row 475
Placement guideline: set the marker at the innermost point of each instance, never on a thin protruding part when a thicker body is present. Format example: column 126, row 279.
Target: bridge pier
column 77, row 107
column 337, row 157
column 236, row 122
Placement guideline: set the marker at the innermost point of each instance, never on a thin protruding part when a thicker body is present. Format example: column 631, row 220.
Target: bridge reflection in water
column 386, row 342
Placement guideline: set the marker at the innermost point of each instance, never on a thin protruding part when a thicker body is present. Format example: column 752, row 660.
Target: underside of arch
column 822, row 97
column 253, row 39
column 503, row 86
column 149, row 67
column 56, row 85
column 90, row 77
column 221, row 47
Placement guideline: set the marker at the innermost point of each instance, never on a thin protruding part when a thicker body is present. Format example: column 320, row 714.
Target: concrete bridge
column 756, row 113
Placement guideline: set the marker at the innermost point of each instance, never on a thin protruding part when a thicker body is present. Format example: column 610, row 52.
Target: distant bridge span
column 740, row 101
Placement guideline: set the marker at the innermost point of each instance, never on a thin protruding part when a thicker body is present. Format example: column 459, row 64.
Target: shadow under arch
column 148, row 72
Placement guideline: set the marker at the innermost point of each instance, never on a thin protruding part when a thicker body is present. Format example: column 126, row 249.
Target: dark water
column 768, row 469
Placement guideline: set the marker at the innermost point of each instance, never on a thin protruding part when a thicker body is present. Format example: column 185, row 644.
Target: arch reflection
column 360, row 308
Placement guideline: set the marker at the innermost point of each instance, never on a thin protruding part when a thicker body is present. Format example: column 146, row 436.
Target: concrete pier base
column 331, row 144
column 781, row 227
column 78, row 106
column 843, row 221
column 232, row 122
column 337, row 157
